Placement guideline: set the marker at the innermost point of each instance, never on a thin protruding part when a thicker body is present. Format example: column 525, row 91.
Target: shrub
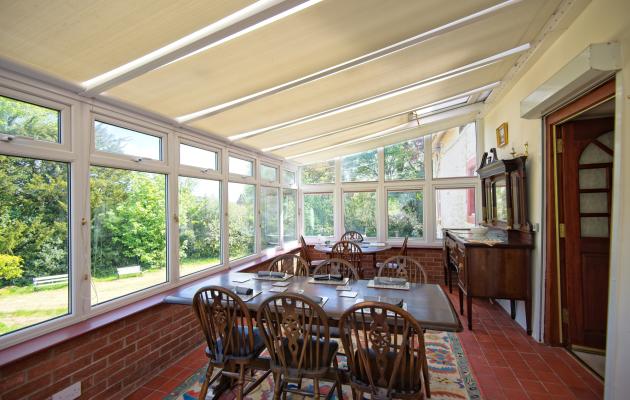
column 10, row 266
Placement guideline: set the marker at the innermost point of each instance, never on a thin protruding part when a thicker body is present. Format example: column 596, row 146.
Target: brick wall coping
column 31, row 346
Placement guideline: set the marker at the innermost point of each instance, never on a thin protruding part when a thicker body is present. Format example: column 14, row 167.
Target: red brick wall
column 111, row 362
column 429, row 258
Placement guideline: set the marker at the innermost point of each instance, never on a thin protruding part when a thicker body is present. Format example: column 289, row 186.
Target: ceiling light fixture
column 436, row 103
column 344, row 66
column 387, row 95
column 248, row 19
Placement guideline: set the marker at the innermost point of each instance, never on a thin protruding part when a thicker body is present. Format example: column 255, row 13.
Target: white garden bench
column 50, row 280
column 129, row 271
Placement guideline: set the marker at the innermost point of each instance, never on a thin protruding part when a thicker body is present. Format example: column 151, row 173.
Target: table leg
column 461, row 300
column 513, row 309
column 528, row 316
column 469, row 310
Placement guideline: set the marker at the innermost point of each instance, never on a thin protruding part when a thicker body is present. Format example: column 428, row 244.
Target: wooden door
column 585, row 207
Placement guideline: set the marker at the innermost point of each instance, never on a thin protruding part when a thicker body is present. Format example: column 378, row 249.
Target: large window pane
column 360, row 167
column 242, row 219
column 196, row 157
column 270, row 214
column 319, row 173
column 19, row 118
column 114, row 139
column 128, row 231
column 405, row 214
column 359, row 212
column 318, row 214
column 241, row 167
column 288, row 178
column 454, row 208
column 268, row 174
column 404, row 161
column 454, row 152
column 289, row 214
column 199, row 224
column 34, row 219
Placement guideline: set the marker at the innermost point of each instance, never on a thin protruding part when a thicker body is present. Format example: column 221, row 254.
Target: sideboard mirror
column 504, row 199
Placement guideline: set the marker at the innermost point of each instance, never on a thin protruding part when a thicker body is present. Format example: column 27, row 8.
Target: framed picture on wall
column 502, row 135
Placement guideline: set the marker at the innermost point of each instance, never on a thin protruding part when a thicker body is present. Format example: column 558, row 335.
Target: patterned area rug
column 450, row 374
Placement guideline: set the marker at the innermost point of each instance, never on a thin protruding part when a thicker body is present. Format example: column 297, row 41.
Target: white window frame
column 328, row 190
column 121, row 160
column 65, row 122
column 242, row 178
column 266, row 182
column 222, row 221
column 191, row 169
column 361, row 188
column 382, row 187
column 405, row 188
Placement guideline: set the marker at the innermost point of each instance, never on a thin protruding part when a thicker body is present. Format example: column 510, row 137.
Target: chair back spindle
column 403, row 267
column 290, row 264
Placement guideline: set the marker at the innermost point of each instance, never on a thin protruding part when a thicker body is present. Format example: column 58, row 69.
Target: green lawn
column 27, row 305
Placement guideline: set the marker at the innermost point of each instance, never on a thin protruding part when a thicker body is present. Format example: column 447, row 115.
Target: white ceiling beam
column 241, row 22
column 470, row 93
column 389, row 94
column 469, row 109
column 375, row 55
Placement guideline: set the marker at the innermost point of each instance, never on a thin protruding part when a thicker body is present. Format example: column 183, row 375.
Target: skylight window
column 442, row 106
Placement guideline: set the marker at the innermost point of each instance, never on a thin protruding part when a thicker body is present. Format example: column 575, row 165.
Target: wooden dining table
column 426, row 302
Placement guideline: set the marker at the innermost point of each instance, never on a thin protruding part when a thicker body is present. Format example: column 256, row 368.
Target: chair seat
column 259, row 346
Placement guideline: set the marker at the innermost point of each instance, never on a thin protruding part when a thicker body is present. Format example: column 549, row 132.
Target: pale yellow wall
column 601, row 21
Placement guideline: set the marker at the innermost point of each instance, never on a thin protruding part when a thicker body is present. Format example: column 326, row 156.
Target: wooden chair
column 403, row 267
column 233, row 342
column 290, row 264
column 352, row 236
column 297, row 335
column 385, row 349
column 348, row 251
column 402, row 252
column 304, row 254
column 336, row 266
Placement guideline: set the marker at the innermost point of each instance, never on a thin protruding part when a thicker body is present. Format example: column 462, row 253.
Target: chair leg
column 206, row 382
column 277, row 385
column 339, row 389
column 240, row 384
column 356, row 395
column 316, row 389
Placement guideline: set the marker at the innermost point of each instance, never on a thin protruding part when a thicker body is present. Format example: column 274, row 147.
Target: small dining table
column 426, row 302
column 366, row 248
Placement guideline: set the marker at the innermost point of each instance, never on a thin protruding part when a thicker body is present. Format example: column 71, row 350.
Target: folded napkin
column 396, row 301
column 327, row 277
column 384, row 280
column 243, row 290
column 270, row 274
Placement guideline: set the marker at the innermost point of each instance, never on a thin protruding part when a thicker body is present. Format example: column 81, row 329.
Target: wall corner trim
column 588, row 69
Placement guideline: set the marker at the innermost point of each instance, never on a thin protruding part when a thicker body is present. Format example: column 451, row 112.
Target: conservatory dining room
column 340, row 199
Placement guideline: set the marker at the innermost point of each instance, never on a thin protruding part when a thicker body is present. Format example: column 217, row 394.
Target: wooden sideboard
column 496, row 265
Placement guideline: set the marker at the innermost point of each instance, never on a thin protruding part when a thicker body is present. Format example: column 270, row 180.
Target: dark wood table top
column 365, row 249
column 427, row 303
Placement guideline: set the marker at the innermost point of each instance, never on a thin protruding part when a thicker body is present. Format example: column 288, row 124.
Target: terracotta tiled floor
column 506, row 362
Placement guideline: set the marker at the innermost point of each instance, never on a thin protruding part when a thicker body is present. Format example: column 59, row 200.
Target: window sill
column 47, row 340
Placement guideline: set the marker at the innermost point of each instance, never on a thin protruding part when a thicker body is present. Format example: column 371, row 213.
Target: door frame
column 553, row 333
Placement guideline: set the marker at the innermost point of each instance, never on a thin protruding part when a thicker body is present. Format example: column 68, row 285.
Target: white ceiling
column 79, row 40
